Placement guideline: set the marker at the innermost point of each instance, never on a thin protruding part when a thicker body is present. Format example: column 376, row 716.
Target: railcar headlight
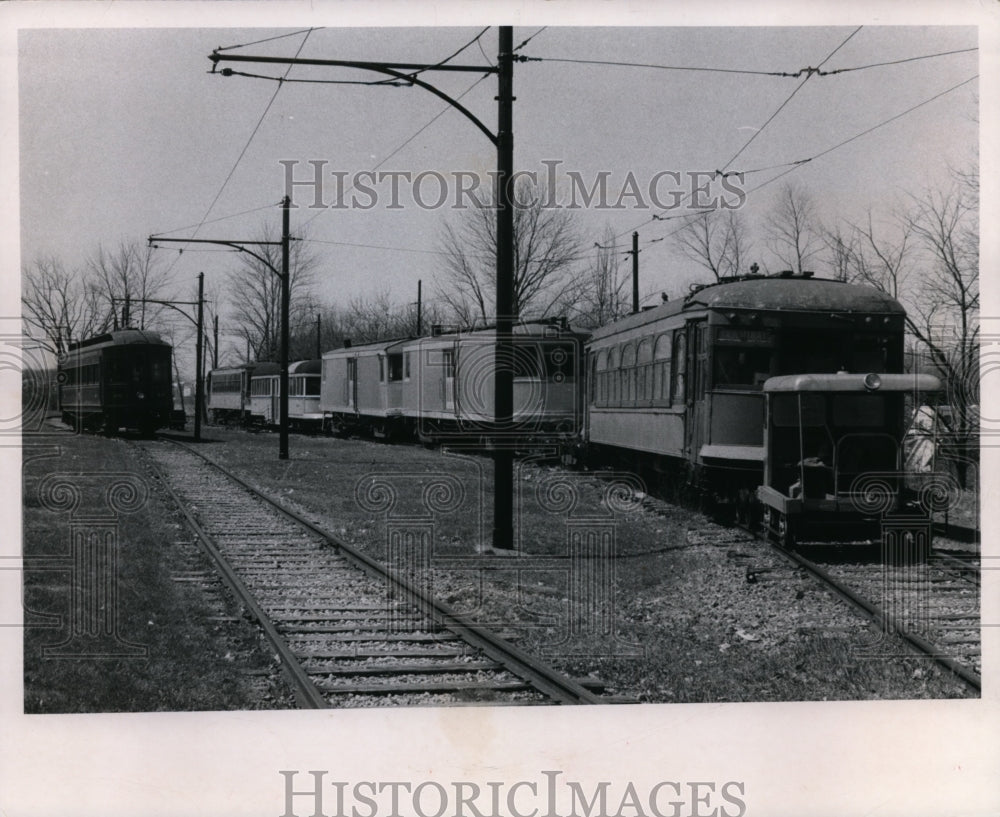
column 872, row 381
column 140, row 396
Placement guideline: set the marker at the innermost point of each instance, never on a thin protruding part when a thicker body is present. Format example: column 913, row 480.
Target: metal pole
column 503, row 457
column 319, row 331
column 419, row 307
column 283, row 443
column 199, row 386
column 635, row 272
column 215, row 345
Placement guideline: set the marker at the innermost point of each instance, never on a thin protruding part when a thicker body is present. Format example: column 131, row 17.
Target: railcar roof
column 851, row 382
column 313, row 366
column 121, row 337
column 264, row 369
column 547, row 329
column 378, row 346
column 298, row 367
column 790, row 294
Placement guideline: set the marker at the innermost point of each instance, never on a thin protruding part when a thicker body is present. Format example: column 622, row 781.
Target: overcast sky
column 124, row 133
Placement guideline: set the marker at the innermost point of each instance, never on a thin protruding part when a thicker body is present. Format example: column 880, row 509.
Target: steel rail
column 306, row 692
column 882, row 618
column 542, row 677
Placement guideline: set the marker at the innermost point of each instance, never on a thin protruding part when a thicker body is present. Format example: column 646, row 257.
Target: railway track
column 348, row 632
column 933, row 603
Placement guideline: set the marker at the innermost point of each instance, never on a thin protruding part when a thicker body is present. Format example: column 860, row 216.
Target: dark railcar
column 120, row 379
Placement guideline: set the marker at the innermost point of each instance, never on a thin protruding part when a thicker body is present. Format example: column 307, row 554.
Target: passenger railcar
column 120, row 379
column 303, row 395
column 679, row 387
column 833, row 452
column 228, row 394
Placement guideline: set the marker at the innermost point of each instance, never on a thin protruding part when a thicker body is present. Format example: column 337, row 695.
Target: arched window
column 678, row 387
column 661, row 369
column 628, row 373
column 615, row 377
column 601, row 378
column 644, row 368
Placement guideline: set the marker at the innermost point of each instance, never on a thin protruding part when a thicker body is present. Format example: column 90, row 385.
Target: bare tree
column 57, row 305
column 127, row 271
column 932, row 266
column 256, row 293
column 717, row 240
column 545, row 246
column 604, row 294
column 793, row 232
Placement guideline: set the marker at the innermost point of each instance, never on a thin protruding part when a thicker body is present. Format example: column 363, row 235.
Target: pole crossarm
column 388, row 68
column 235, row 244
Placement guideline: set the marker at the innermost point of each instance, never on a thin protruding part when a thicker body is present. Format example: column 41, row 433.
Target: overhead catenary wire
column 807, row 71
column 760, row 130
column 246, row 146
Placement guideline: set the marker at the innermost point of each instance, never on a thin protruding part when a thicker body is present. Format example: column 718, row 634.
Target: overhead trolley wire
column 808, row 71
column 781, row 107
column 270, row 39
column 788, row 99
column 246, row 146
column 865, row 132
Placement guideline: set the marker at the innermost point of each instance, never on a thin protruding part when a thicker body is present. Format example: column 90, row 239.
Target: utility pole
column 243, row 246
column 419, row 306
column 319, row 332
column 199, row 327
column 283, row 444
column 407, row 74
column 215, row 344
column 634, row 252
column 199, row 397
column 503, row 399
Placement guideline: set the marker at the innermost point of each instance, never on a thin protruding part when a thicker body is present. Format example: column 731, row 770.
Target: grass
column 187, row 653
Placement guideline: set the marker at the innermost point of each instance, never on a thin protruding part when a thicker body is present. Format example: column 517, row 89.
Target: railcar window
column 678, row 384
column 859, row 410
column 644, row 365
column 661, row 368
column 745, row 368
column 312, row 385
column 601, row 377
column 614, row 376
column 159, row 371
column 785, row 410
column 381, row 369
column 406, row 365
column 628, row 373
column 395, row 367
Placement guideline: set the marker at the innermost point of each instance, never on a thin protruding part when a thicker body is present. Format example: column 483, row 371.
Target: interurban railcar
column 228, row 394
column 679, row 388
column 120, row 379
